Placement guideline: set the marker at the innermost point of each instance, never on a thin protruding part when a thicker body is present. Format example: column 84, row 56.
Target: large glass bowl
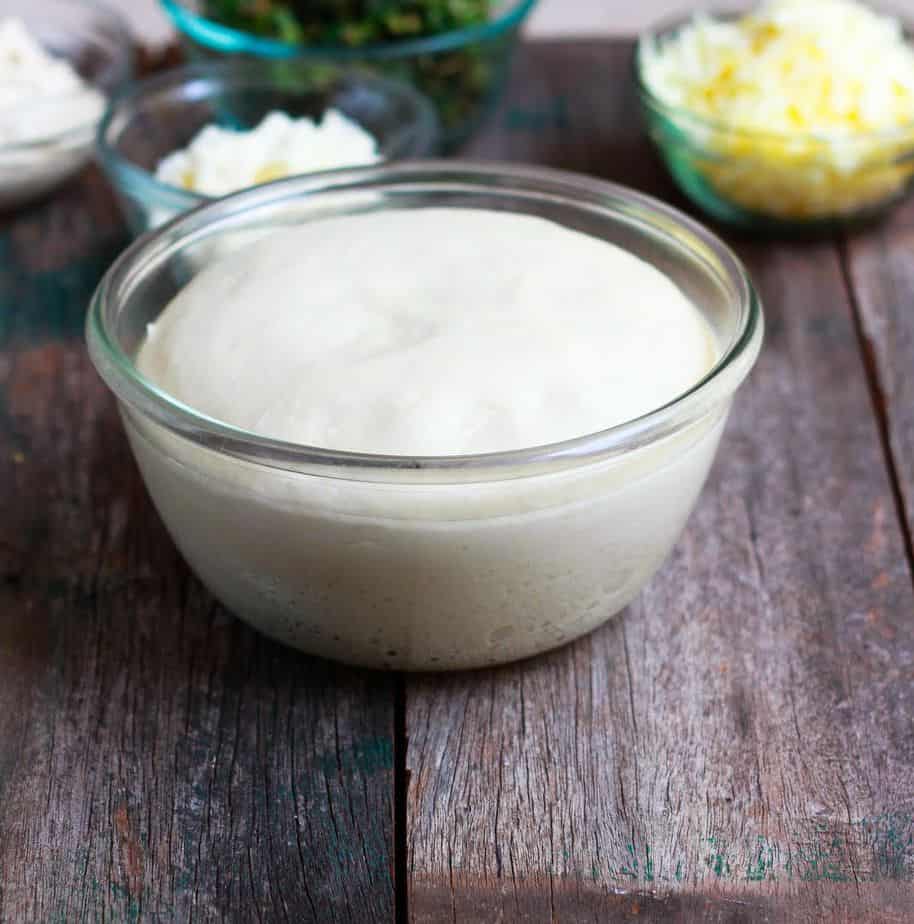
column 152, row 118
column 94, row 40
column 425, row 562
column 462, row 72
column 769, row 181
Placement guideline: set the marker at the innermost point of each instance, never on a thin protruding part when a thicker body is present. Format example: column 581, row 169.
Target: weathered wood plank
column 158, row 761
column 740, row 746
column 881, row 271
column 569, row 105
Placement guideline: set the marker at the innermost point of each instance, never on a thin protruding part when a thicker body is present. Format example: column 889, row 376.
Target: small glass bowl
column 425, row 562
column 157, row 116
column 462, row 72
column 95, row 41
column 772, row 182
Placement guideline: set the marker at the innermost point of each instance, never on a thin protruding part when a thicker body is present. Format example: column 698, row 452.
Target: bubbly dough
column 428, row 332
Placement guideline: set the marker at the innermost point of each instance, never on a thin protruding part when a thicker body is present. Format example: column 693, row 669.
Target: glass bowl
column 96, row 43
column 462, row 72
column 770, row 181
column 425, row 562
column 157, row 116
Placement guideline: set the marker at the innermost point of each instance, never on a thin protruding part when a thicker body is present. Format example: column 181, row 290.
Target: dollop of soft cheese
column 41, row 96
column 220, row 160
column 428, row 332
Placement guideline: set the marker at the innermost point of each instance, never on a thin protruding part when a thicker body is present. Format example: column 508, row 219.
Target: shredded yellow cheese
column 804, row 107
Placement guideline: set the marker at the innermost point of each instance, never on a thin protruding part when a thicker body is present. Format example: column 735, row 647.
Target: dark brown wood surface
column 880, row 267
column 739, row 746
column 158, row 760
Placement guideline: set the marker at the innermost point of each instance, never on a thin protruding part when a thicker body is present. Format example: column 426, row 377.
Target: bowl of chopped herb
column 457, row 52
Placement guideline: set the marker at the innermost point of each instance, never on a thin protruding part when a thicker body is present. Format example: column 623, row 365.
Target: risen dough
column 432, row 332
column 439, row 331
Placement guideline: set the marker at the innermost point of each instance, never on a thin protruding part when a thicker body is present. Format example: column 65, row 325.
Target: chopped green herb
column 458, row 81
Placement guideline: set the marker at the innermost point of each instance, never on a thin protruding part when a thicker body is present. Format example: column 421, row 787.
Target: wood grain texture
column 569, row 105
column 740, row 745
column 881, row 270
column 158, row 760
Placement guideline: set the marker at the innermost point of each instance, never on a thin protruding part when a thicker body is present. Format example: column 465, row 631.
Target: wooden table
column 739, row 746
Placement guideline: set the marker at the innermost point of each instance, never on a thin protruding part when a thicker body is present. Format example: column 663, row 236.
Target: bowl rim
column 668, row 27
column 77, row 134
column 247, row 70
column 645, row 213
column 226, row 39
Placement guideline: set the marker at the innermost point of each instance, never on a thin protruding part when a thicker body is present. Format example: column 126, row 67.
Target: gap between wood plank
column 877, row 397
column 401, row 790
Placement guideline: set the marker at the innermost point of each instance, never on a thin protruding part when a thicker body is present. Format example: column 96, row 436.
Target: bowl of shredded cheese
column 200, row 132
column 797, row 115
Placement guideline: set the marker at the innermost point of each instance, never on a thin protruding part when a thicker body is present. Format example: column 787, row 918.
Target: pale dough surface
column 428, row 332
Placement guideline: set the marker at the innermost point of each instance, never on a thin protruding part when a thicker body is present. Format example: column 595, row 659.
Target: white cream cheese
column 221, row 160
column 355, row 333
column 41, row 96
column 48, row 115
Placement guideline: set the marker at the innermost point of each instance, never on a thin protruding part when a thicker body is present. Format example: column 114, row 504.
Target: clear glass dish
column 462, row 72
column 425, row 562
column 151, row 119
column 93, row 38
column 796, row 183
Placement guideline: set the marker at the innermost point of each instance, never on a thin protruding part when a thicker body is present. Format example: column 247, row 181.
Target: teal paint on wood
column 52, row 305
column 747, row 724
column 158, row 760
column 364, row 757
column 819, row 854
column 52, row 256
column 762, row 866
column 542, row 115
